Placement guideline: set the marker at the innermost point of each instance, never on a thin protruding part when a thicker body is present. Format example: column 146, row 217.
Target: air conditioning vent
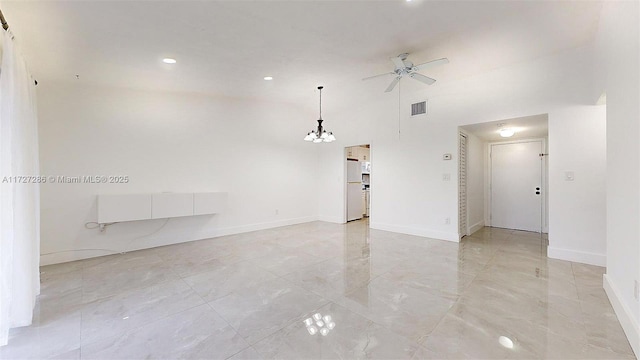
column 419, row 108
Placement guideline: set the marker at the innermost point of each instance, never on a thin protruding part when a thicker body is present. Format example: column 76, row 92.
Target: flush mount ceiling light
column 320, row 135
column 268, row 78
column 169, row 61
column 505, row 132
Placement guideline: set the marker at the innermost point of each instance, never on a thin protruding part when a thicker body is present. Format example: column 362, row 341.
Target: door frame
column 544, row 226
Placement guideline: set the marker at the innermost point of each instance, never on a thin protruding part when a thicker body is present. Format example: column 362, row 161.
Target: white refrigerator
column 354, row 190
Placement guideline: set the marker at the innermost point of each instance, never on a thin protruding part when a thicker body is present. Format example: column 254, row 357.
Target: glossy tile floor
column 391, row 296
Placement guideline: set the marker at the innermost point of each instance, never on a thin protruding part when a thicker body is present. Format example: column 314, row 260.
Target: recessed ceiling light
column 506, row 342
column 169, row 61
column 268, row 78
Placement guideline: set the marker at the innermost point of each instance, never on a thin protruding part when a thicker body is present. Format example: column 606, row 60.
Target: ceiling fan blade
column 393, row 84
column 398, row 62
column 375, row 76
column 425, row 79
column 432, row 63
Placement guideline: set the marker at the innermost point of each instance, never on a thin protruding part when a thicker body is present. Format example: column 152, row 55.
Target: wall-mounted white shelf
column 133, row 207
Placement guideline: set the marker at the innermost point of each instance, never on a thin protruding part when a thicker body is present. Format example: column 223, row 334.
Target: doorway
column 494, row 198
column 358, row 182
column 517, row 179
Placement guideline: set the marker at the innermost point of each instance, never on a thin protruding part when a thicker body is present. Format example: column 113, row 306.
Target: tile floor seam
column 136, row 328
column 141, row 287
column 137, row 288
column 231, row 326
column 289, row 322
column 385, row 326
column 147, row 323
column 248, row 347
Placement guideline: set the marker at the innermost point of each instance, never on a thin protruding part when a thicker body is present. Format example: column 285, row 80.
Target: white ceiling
column 527, row 127
column 227, row 47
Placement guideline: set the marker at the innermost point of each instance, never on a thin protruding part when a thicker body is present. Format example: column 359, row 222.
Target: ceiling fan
column 404, row 67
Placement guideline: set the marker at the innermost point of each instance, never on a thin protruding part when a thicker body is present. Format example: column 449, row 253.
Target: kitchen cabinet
column 359, row 153
column 364, row 154
column 352, row 152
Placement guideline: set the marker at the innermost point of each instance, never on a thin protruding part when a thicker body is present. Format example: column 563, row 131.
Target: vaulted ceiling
column 227, row 47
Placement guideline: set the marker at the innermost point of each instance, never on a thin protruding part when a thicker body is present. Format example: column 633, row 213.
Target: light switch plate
column 446, row 157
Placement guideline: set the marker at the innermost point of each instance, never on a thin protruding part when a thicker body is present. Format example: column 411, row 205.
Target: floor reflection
column 357, row 257
column 268, row 294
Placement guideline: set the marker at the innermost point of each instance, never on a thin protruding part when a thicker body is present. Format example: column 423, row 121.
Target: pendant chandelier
column 320, row 134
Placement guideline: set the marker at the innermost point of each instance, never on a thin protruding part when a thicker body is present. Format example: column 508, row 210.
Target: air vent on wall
column 419, row 108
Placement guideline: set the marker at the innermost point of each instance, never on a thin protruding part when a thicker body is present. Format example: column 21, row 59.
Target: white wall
column 618, row 48
column 476, row 166
column 407, row 192
column 577, row 143
column 169, row 142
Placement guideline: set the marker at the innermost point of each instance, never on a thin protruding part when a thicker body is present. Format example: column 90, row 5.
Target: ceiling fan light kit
column 319, row 134
column 404, row 67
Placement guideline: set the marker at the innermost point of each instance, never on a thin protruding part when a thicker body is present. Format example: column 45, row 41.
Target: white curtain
column 19, row 200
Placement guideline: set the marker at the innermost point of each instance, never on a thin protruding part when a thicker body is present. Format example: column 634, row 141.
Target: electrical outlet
column 636, row 290
column 446, row 177
column 277, row 211
column 447, row 221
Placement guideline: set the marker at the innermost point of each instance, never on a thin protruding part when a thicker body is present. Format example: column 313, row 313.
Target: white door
column 516, row 186
column 462, row 186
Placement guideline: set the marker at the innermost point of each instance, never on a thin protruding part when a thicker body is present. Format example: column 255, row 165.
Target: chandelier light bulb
column 320, row 134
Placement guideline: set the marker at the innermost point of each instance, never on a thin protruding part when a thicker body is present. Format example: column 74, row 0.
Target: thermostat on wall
column 446, row 157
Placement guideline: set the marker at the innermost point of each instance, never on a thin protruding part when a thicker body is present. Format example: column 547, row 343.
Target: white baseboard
column 577, row 256
column 475, row 227
column 629, row 324
column 331, row 219
column 439, row 235
column 263, row 226
column 62, row 257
